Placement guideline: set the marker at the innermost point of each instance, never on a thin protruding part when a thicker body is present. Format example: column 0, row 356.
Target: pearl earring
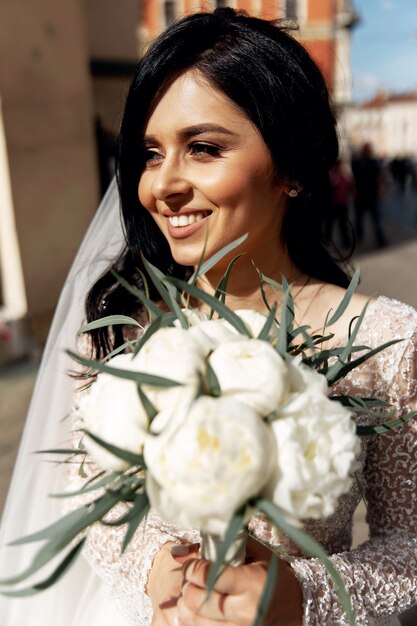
column 293, row 193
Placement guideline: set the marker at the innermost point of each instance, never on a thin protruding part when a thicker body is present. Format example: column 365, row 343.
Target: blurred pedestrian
column 341, row 196
column 369, row 180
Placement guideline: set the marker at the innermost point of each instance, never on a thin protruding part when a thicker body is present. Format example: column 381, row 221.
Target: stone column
column 48, row 119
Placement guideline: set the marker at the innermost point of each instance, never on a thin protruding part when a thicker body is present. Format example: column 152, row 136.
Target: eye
column 205, row 150
column 151, row 157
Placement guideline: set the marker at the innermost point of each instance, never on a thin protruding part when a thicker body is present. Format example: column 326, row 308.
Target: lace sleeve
column 381, row 574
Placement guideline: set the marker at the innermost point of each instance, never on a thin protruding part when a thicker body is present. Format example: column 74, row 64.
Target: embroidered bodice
column 380, row 574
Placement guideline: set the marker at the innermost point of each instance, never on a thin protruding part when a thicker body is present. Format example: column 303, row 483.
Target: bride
column 227, row 129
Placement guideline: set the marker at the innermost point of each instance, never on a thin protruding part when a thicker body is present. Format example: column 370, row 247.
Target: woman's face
column 209, row 174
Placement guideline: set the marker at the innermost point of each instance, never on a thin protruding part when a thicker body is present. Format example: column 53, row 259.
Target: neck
column 243, row 287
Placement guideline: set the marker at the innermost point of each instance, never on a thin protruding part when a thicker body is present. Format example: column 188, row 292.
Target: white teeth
column 185, row 220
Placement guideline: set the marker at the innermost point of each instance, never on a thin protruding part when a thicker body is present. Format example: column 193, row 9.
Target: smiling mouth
column 185, row 220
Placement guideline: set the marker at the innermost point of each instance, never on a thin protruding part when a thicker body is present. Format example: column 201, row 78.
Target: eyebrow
column 193, row 131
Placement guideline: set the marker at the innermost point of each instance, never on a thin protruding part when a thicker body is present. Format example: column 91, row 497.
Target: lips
column 182, row 225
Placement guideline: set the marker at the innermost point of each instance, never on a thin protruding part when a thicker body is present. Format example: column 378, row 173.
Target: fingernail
column 180, row 550
column 175, row 621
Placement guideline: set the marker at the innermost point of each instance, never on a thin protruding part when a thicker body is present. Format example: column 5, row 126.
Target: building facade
column 324, row 28
column 388, row 122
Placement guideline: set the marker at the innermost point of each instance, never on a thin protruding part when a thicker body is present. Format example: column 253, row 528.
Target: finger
column 190, row 618
column 181, row 552
column 198, row 602
column 233, row 580
column 237, row 609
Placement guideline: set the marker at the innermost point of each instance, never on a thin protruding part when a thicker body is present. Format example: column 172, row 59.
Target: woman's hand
column 166, row 579
column 236, row 594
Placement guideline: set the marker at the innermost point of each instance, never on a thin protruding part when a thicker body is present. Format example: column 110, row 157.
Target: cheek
column 144, row 192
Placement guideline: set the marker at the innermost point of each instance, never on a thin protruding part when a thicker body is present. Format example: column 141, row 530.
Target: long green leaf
column 166, row 290
column 378, row 429
column 221, row 288
column 268, row 591
column 211, row 262
column 197, row 271
column 215, row 304
column 87, row 489
column 133, row 524
column 138, row 377
column 236, row 524
column 125, row 455
column 345, row 300
column 212, row 381
column 152, row 308
column 270, row 321
column 340, row 369
column 160, row 322
column 53, row 578
column 310, row 547
column 62, row 532
column 150, row 410
column 109, row 320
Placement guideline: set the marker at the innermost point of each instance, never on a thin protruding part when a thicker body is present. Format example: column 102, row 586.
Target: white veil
column 79, row 598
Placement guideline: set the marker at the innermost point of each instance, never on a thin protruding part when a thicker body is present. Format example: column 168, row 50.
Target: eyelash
column 198, row 149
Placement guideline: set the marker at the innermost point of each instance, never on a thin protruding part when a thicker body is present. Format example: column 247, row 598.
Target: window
column 169, row 11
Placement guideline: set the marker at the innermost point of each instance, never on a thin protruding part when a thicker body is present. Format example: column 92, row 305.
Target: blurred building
column 324, row 28
column 388, row 122
column 64, row 71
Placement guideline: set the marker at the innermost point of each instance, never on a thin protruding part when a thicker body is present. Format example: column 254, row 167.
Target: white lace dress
column 380, row 574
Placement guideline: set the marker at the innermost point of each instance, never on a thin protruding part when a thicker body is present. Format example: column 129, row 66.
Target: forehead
column 190, row 99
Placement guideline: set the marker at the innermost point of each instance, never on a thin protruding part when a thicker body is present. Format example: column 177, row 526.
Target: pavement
column 391, row 271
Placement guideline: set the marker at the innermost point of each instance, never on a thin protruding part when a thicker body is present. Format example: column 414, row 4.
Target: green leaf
column 109, row 320
column 211, row 262
column 127, row 344
column 212, row 381
column 345, row 300
column 133, row 524
column 235, row 525
column 285, row 323
column 268, row 591
column 66, row 451
column 310, row 547
column 150, row 410
column 62, row 532
column 197, row 271
column 378, row 429
column 167, row 291
column 53, row 578
column 161, row 322
column 87, row 488
column 125, row 455
column 140, row 378
column 270, row 321
column 340, row 369
column 152, row 308
column 215, row 304
column 221, row 288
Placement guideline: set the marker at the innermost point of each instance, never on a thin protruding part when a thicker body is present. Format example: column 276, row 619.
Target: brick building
column 324, row 28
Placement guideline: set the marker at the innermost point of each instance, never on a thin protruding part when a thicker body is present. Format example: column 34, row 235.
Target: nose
column 170, row 180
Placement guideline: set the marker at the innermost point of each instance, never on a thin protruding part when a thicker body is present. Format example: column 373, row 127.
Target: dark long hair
column 274, row 81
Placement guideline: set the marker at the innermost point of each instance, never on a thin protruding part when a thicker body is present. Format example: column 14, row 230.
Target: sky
column 384, row 47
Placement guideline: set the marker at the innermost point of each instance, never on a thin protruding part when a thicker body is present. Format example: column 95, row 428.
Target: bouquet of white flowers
column 210, row 417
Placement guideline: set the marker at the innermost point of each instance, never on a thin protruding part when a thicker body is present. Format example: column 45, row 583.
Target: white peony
column 193, row 317
column 250, row 370
column 316, row 450
column 213, row 333
column 112, row 410
column 207, row 463
column 175, row 354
